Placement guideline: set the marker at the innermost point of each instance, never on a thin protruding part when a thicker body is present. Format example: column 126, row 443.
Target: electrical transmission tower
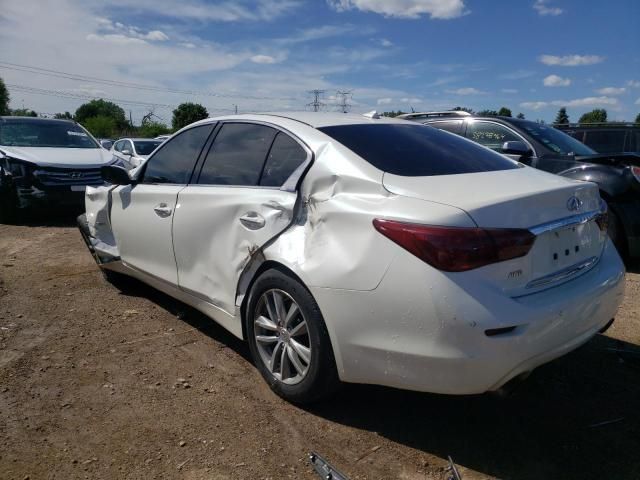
column 344, row 105
column 316, row 104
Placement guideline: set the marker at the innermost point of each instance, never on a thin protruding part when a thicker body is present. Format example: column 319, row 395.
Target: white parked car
column 133, row 151
column 46, row 162
column 367, row 250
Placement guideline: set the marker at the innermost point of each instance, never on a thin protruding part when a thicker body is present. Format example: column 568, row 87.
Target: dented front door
column 216, row 230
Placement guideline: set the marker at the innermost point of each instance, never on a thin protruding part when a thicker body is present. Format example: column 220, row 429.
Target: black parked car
column 606, row 137
column 544, row 147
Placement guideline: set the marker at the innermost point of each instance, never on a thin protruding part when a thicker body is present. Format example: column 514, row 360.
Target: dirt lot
column 101, row 383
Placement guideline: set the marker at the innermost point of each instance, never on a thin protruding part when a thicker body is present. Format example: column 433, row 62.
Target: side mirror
column 126, row 151
column 516, row 147
column 115, row 175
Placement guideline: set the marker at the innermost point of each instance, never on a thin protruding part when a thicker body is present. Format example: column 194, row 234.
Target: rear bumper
column 420, row 330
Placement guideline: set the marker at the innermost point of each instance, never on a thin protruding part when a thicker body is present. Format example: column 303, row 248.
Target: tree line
column 105, row 119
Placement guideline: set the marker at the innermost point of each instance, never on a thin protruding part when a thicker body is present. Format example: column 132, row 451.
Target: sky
column 532, row 56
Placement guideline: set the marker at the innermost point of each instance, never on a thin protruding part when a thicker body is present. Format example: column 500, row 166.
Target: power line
column 118, row 83
column 316, row 104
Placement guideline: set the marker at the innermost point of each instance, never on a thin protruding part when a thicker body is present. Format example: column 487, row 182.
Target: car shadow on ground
column 575, row 418
column 47, row 217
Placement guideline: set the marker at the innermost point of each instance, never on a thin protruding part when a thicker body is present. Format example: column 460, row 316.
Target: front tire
column 288, row 339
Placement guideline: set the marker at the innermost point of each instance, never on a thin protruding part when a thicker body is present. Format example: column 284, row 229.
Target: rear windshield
column 41, row 133
column 417, row 150
column 145, row 147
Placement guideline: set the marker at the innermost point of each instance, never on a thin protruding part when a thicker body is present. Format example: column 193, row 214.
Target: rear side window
column 237, row 155
column 174, row 162
column 417, row 150
column 606, row 141
column 490, row 134
column 453, row 126
column 284, row 157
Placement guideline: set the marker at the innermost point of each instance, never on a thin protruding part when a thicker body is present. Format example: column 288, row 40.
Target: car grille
column 53, row 177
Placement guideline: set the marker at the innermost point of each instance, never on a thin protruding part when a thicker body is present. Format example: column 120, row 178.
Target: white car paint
column 60, row 157
column 135, row 159
column 392, row 318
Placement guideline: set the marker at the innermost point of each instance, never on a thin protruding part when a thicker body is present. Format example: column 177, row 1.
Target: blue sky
column 532, row 56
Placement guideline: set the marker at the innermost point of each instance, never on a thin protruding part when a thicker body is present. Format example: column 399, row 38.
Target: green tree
column 487, row 113
column 520, row 116
column 598, row 115
column 101, row 108
column 504, row 112
column 562, row 117
column 152, row 129
column 463, row 109
column 187, row 113
column 4, row 99
column 63, row 116
column 392, row 113
column 638, row 118
column 100, row 126
column 23, row 112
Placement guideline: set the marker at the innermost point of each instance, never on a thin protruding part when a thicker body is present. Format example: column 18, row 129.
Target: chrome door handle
column 252, row 220
column 162, row 210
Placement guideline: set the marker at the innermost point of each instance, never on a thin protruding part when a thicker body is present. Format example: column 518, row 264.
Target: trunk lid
column 560, row 212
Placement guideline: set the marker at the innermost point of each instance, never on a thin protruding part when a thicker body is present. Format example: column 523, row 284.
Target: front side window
column 237, row 155
column 42, row 133
column 175, row 161
column 118, row 146
column 491, row 135
column 416, row 150
column 284, row 157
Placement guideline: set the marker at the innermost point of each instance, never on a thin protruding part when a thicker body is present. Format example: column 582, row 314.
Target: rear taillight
column 636, row 172
column 603, row 216
column 456, row 249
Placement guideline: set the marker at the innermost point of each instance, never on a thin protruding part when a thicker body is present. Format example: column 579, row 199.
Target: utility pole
column 344, row 105
column 316, row 104
column 235, row 108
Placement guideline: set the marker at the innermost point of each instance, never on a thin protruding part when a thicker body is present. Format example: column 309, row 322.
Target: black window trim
column 290, row 185
column 469, row 121
column 143, row 169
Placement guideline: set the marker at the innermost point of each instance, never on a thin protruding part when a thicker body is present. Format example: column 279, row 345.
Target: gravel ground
column 101, row 382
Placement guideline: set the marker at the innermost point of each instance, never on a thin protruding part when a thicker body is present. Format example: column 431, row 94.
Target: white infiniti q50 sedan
column 349, row 248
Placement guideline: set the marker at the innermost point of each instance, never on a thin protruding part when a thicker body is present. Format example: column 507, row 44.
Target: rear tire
column 288, row 339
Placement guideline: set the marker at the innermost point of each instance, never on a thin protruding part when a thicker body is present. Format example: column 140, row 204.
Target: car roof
column 36, row 120
column 312, row 119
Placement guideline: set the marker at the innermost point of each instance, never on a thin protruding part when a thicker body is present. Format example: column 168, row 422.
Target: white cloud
column 571, row 60
column 577, row 102
column 266, row 59
column 534, row 105
column 633, row 83
column 156, row 35
column 509, row 90
column 203, row 10
column 556, row 81
column 115, row 38
column 187, row 44
column 413, row 100
column 386, row 43
column 437, row 9
column 385, row 101
column 466, row 91
column 543, row 8
column 637, row 101
column 611, row 90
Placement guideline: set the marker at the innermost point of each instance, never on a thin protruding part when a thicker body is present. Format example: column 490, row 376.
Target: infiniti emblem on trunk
column 76, row 174
column 574, row 204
